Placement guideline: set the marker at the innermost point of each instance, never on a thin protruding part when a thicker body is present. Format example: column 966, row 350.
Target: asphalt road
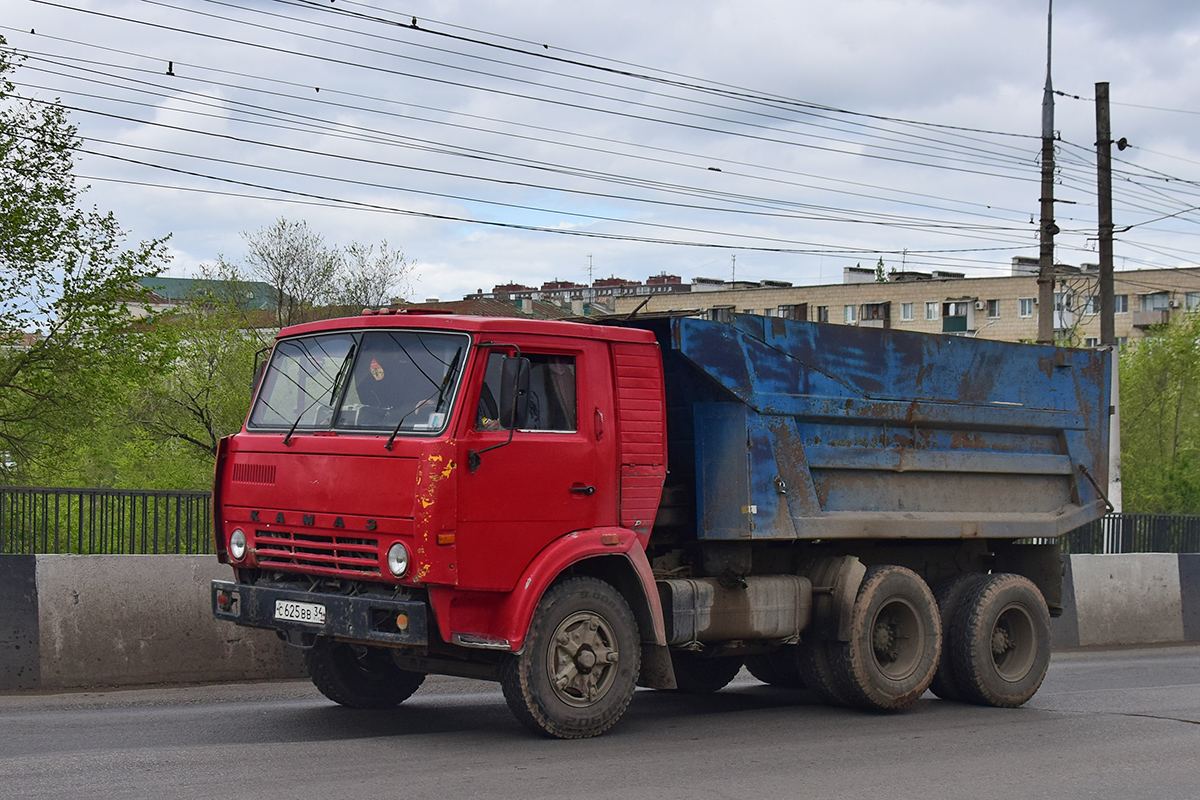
column 1115, row 724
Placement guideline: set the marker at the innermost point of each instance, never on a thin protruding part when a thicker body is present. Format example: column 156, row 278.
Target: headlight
column 237, row 544
column 398, row 560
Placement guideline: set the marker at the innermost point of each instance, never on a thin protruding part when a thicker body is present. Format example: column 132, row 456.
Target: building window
column 721, row 313
column 769, row 312
column 906, row 312
column 931, row 309
column 1091, row 304
column 1191, row 301
column 877, row 312
column 822, row 313
column 1157, row 301
column 1121, row 304
column 849, row 314
column 1025, row 307
column 993, row 309
column 796, row 311
column 1091, row 341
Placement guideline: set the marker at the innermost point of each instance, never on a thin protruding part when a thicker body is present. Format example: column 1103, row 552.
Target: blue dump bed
column 783, row 430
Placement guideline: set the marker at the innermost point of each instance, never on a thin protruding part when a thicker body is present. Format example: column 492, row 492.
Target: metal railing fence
column 1136, row 533
column 128, row 521
column 104, row 521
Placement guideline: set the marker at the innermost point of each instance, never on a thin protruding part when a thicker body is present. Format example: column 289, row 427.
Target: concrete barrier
column 83, row 621
column 1141, row 598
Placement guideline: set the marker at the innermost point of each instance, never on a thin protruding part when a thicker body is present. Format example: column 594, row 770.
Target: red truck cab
column 418, row 483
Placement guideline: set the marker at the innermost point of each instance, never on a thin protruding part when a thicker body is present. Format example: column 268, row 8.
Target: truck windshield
column 365, row 380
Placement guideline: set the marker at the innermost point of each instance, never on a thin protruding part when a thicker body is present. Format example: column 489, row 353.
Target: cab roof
column 480, row 326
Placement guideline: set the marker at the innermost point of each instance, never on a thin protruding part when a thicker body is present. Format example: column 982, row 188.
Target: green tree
column 65, row 279
column 163, row 409
column 1160, row 420
column 211, row 341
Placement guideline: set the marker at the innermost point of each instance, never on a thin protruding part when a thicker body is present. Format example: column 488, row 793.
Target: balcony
column 1148, row 319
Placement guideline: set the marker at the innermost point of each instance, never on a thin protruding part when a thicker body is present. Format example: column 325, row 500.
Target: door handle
column 584, row 490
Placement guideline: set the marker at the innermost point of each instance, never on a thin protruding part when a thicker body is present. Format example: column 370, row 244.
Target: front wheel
column 579, row 667
column 358, row 676
column 1001, row 641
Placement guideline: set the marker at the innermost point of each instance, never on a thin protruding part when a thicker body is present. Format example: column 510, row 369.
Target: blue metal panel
column 844, row 424
column 722, row 474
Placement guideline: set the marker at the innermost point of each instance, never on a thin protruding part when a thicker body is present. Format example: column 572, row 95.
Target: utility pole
column 733, row 268
column 1048, row 228
column 1108, row 333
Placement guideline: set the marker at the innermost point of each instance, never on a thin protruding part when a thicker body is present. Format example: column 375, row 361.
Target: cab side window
column 551, row 394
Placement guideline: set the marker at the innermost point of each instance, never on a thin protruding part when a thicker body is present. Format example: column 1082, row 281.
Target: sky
column 526, row 140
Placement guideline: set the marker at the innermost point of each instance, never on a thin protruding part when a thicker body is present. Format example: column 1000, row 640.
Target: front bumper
column 363, row 618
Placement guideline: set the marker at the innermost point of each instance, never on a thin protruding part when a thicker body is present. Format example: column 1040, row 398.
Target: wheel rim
column 582, row 659
column 897, row 636
column 1013, row 643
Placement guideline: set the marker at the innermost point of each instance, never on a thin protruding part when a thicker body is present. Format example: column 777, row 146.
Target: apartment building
column 1002, row 307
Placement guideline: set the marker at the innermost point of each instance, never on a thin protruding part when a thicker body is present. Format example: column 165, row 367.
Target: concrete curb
column 80, row 621
column 69, row 622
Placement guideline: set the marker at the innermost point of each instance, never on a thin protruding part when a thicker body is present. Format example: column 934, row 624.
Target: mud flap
column 657, row 672
column 835, row 587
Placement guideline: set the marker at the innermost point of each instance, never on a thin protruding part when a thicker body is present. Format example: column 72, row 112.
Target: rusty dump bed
column 798, row 430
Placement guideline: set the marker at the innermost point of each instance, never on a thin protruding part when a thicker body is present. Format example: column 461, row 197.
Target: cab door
column 557, row 474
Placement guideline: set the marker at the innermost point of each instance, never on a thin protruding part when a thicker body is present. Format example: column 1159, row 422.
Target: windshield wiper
column 441, row 396
column 341, row 373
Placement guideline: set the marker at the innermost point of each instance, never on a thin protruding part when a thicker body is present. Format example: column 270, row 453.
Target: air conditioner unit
column 980, row 305
column 1173, row 303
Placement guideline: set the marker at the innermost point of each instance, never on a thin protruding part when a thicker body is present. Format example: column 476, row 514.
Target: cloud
column 731, row 143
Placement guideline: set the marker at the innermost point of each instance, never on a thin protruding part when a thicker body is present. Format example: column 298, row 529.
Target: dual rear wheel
column 998, row 641
column 978, row 638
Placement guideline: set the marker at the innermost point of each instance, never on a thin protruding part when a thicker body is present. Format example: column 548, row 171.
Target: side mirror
column 514, row 392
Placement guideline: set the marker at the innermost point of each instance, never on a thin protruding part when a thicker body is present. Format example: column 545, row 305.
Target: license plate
column 300, row 612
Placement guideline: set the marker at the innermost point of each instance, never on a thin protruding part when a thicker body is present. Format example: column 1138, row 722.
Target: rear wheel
column 895, row 641
column 950, row 594
column 1001, row 646
column 579, row 668
column 358, row 676
column 780, row 667
column 695, row 674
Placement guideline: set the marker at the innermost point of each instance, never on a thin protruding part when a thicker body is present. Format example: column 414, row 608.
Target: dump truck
column 574, row 510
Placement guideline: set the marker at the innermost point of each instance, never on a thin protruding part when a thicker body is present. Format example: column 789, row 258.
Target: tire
column 1001, row 641
column 358, row 676
column 895, row 641
column 949, row 594
column 579, row 667
column 817, row 673
column 695, row 674
column 780, row 667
